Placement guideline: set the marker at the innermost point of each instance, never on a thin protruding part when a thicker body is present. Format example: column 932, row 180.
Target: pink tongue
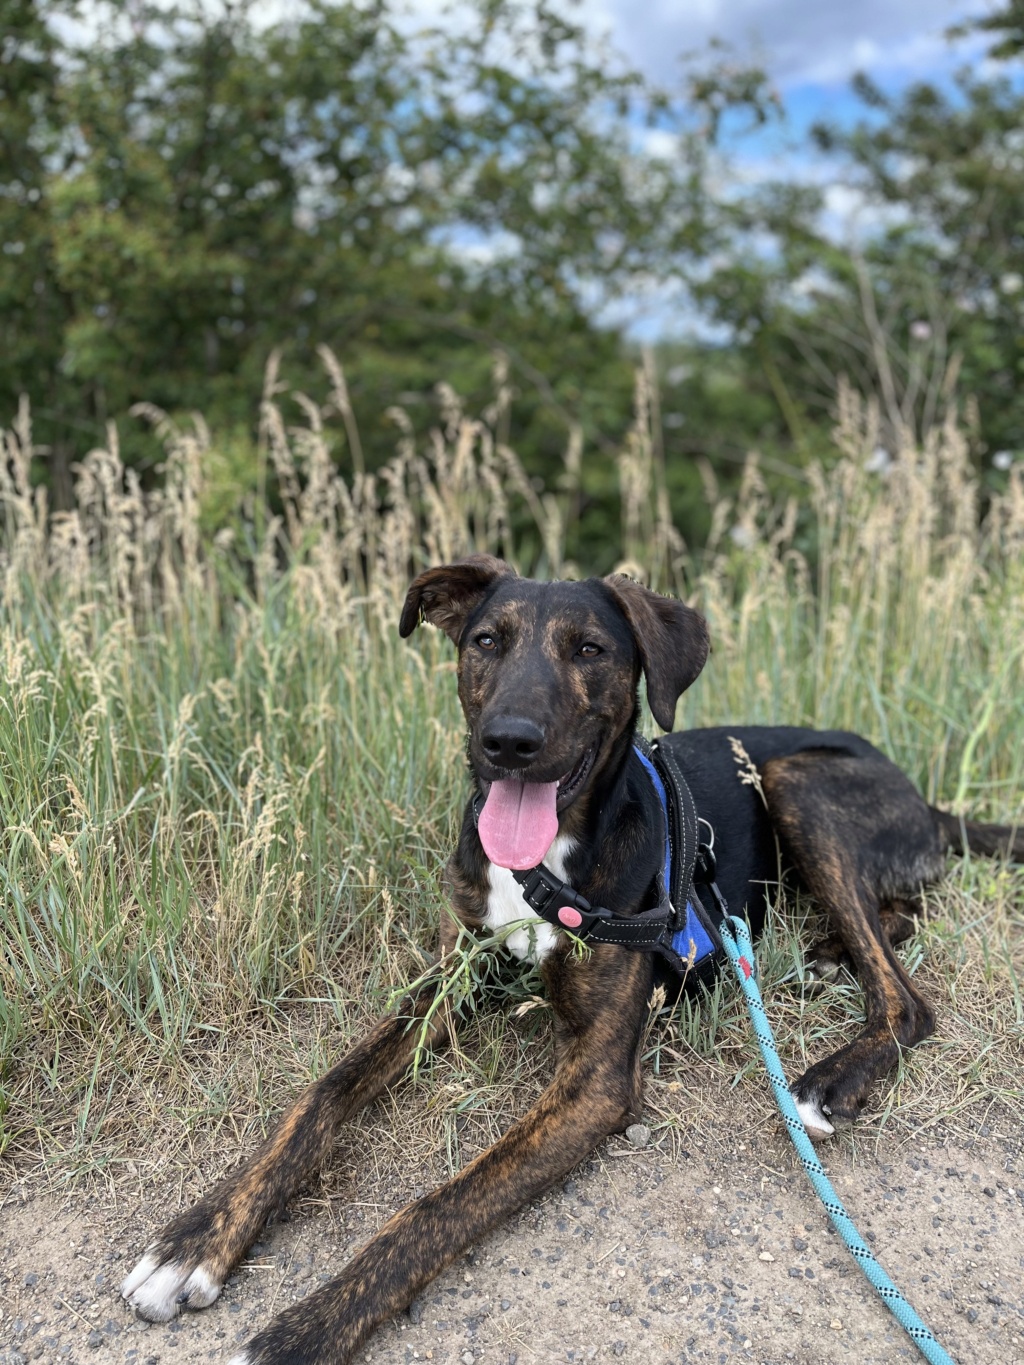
column 518, row 823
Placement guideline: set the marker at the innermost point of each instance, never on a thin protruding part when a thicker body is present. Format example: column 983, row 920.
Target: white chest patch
column 533, row 941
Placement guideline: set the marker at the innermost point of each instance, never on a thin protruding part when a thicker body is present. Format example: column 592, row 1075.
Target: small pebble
column 638, row 1134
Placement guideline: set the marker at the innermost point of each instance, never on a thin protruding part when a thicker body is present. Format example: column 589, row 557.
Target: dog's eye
column 589, row 650
column 486, row 642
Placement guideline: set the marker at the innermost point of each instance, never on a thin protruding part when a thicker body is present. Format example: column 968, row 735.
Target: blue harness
column 692, row 941
column 687, row 939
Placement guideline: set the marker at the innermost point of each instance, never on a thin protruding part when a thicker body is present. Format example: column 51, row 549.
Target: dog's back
column 717, row 764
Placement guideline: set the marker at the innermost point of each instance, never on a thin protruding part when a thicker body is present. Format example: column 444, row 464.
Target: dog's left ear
column 446, row 595
column 672, row 639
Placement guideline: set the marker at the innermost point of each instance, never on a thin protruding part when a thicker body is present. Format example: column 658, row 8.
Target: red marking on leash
column 745, row 965
column 572, row 919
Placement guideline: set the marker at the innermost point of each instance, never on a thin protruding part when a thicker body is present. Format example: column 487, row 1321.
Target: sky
column 811, row 47
column 807, row 47
column 810, row 50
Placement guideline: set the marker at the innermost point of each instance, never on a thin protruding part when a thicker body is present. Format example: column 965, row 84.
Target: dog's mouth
column 519, row 820
column 569, row 786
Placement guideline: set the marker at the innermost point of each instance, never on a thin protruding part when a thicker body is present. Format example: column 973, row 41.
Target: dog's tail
column 994, row 841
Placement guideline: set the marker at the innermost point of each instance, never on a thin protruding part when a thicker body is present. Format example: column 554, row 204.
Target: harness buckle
column 540, row 887
column 548, row 895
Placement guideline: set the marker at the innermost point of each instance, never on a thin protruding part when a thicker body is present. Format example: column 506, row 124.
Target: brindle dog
column 548, row 676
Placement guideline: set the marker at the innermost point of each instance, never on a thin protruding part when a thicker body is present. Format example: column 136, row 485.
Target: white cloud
column 659, row 142
column 799, row 43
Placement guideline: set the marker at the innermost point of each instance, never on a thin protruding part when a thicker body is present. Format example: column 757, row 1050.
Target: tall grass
column 227, row 788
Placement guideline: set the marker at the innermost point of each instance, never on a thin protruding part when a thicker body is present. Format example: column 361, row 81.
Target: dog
column 548, row 678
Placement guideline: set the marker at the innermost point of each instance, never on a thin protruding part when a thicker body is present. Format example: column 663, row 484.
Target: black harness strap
column 683, row 827
column 548, row 896
column 662, row 928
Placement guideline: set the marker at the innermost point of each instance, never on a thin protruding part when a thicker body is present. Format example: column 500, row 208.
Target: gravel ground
column 716, row 1250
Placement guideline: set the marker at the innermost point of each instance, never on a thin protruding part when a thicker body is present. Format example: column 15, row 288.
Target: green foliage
column 928, row 303
column 227, row 787
column 30, row 311
column 188, row 191
column 947, row 273
column 1008, row 21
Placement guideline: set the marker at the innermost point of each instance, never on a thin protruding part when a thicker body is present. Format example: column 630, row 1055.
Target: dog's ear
column 672, row 639
column 447, row 594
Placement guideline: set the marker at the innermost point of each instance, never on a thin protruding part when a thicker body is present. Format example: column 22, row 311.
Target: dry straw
column 228, row 789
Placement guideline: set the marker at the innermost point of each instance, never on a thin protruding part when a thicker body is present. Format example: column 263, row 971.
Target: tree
column 208, row 190
column 1008, row 21
column 928, row 305
column 32, row 310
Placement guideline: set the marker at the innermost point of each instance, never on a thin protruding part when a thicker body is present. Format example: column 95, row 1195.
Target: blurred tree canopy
column 927, row 304
column 184, row 190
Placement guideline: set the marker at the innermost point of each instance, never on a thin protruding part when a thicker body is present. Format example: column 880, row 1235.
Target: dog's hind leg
column 188, row 1261
column 602, row 1006
column 898, row 917
column 862, row 841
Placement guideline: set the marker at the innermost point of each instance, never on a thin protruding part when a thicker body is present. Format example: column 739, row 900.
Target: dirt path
column 653, row 1257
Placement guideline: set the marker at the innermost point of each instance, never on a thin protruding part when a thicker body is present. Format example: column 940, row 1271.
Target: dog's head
column 548, row 676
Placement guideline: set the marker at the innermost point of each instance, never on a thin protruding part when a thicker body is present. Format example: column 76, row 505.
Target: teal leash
column 736, row 941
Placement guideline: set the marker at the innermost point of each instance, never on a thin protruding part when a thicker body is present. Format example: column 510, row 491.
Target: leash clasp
column 706, row 864
column 705, row 870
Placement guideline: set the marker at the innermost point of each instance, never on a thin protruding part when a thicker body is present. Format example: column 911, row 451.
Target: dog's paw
column 827, row 960
column 157, row 1288
column 836, row 1089
column 813, row 1118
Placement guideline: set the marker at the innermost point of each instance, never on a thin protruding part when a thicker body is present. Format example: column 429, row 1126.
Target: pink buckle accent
column 572, row 919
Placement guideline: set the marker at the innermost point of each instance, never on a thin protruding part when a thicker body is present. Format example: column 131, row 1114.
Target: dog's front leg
column 189, row 1259
column 601, row 1006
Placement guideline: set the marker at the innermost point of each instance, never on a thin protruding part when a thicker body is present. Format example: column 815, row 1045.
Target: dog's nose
column 512, row 741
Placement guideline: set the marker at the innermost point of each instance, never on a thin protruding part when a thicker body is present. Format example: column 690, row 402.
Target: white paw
column 817, row 1125
column 156, row 1291
column 241, row 1359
